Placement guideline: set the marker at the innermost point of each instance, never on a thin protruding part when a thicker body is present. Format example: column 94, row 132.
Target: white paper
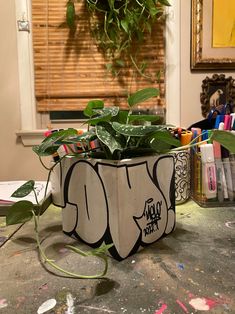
column 7, row 188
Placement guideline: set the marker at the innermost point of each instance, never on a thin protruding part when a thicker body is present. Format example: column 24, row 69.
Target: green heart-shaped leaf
column 93, row 104
column 19, row 212
column 24, row 189
column 108, row 137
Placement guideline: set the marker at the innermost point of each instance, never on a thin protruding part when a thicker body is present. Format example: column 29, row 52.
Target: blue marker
column 219, row 118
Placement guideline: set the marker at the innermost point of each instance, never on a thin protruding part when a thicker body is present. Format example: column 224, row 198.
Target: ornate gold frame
column 218, row 82
column 203, row 56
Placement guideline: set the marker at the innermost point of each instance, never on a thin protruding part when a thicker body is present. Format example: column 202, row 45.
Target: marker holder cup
column 203, row 182
column 182, row 176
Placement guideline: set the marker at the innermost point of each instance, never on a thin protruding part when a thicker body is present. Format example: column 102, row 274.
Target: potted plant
column 116, row 183
column 112, row 155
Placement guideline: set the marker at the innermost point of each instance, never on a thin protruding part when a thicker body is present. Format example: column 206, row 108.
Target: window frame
column 31, row 132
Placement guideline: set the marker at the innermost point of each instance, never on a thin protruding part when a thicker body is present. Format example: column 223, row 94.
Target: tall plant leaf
column 121, row 117
column 142, row 95
column 104, row 114
column 166, row 137
column 145, row 118
column 49, row 145
column 135, row 130
column 162, row 141
column 108, row 137
column 225, row 138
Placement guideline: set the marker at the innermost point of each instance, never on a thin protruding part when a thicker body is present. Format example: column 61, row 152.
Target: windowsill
column 32, row 137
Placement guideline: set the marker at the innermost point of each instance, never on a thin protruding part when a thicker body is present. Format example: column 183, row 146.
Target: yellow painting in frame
column 223, row 34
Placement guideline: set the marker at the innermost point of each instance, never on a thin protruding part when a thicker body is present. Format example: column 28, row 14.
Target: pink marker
column 209, row 182
column 221, row 182
column 227, row 122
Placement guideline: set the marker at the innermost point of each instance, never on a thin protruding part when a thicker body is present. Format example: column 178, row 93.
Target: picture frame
column 217, row 91
column 203, row 55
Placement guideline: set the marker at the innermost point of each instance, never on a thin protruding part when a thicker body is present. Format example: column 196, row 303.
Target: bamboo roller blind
column 69, row 69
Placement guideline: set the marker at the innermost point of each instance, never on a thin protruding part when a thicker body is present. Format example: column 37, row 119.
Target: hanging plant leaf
column 19, row 212
column 93, row 104
column 164, row 2
column 108, row 137
column 120, row 63
column 135, row 130
column 70, row 14
column 24, row 189
column 151, row 5
column 124, row 24
column 225, row 138
column 142, row 95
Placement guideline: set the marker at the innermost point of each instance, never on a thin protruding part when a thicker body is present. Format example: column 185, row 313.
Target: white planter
column 130, row 203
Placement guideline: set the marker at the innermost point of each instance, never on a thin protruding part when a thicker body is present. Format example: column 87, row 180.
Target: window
column 70, row 69
column 23, row 8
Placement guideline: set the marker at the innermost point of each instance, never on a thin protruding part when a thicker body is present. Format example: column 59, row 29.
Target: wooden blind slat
column 69, row 68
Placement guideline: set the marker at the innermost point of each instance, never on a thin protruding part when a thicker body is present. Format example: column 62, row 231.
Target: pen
column 218, row 120
column 227, row 172
column 227, row 122
column 232, row 165
column 219, row 171
column 186, row 137
column 208, row 171
column 227, row 168
column 232, row 115
column 209, row 136
column 204, row 135
column 196, row 162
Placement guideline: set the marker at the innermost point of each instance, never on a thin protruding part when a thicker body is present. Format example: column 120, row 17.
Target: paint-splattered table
column 190, row 271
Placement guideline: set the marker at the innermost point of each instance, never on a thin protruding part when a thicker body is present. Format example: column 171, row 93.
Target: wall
column 16, row 162
column 19, row 162
column 190, row 82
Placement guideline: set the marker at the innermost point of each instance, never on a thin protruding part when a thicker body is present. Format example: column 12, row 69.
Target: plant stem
column 139, row 71
column 189, row 145
column 50, row 262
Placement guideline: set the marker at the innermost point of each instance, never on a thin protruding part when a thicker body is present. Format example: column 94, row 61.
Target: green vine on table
column 23, row 211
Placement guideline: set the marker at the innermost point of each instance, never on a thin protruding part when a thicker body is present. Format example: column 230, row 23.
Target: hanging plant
column 120, row 28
